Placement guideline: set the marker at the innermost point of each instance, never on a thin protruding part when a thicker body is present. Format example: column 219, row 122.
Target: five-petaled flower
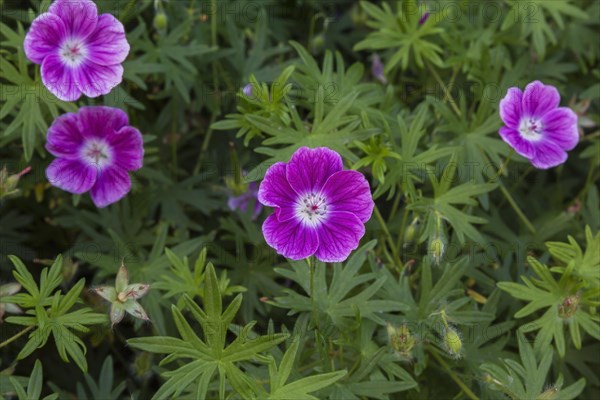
column 123, row 297
column 95, row 149
column 319, row 208
column 79, row 50
column 536, row 127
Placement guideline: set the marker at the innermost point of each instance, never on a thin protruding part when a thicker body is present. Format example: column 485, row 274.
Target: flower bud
column 437, row 247
column 160, row 20
column 411, row 231
column 452, row 342
column 569, row 306
column 8, row 184
column 401, row 341
column 247, row 90
column 317, row 43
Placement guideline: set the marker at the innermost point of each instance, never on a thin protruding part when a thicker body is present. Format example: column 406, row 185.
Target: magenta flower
column 79, row 50
column 424, row 18
column 319, row 208
column 95, row 149
column 536, row 127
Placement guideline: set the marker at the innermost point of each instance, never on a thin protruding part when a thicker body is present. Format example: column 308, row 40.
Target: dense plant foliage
column 478, row 275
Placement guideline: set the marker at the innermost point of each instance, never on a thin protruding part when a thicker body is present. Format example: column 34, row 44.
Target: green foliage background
column 477, row 277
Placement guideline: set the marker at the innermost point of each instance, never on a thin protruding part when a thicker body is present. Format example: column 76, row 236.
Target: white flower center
column 73, row 52
column 311, row 209
column 96, row 152
column 531, row 129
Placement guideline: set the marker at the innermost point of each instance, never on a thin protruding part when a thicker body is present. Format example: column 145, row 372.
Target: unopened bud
column 452, row 342
column 411, row 231
column 437, row 248
column 160, row 20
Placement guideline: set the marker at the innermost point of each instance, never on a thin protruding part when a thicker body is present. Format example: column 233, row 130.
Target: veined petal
column 538, row 99
column 79, row 16
column 560, row 126
column 72, row 176
column 108, row 44
column 128, row 148
column 290, row 238
column 96, row 80
column 548, row 155
column 309, row 169
column 338, row 236
column 349, row 191
column 45, row 36
column 59, row 79
column 111, row 186
column 136, row 290
column 64, row 138
column 101, row 121
column 514, row 139
column 274, row 190
column 511, row 108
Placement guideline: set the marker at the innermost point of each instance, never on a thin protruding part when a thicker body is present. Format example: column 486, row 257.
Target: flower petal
column 59, row 79
column 64, row 138
column 107, row 293
column 108, row 44
column 45, row 36
column 510, row 108
column 80, row 16
column 136, row 290
column 514, row 139
column 128, row 148
column 101, row 121
column 538, row 99
column 560, row 126
column 134, row 308
column 290, row 238
column 96, row 80
column 339, row 234
column 548, row 155
column 309, row 169
column 349, row 191
column 274, row 190
column 111, row 186
column 72, row 176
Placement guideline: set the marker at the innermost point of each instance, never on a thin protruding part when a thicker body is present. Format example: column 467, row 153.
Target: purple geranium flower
column 319, row 208
column 95, row 149
column 79, row 50
column 536, row 127
column 241, row 202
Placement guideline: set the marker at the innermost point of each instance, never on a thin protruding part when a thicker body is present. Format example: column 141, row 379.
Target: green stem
column 312, row 265
column 447, row 93
column 15, row 337
column 389, row 238
column 503, row 165
column 515, row 207
column 454, row 377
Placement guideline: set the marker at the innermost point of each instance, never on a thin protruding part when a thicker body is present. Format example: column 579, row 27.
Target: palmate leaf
column 103, row 388
column 402, row 31
column 211, row 355
column 409, row 169
column 533, row 17
column 298, row 389
column 51, row 314
column 565, row 301
column 348, row 294
column 34, row 386
column 527, row 379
